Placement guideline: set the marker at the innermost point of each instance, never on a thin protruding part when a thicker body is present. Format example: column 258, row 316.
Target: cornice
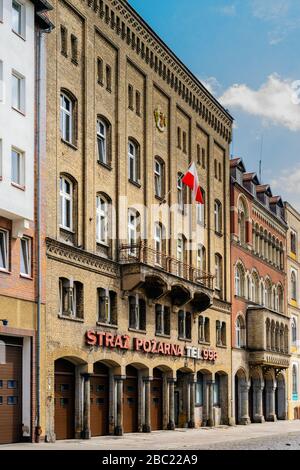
column 82, row 259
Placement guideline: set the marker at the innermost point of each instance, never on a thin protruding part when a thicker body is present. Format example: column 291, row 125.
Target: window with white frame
column 158, row 239
column 66, row 203
column 218, row 216
column 4, row 250
column 293, row 281
column 18, row 18
column 158, row 178
column 180, row 255
column 102, row 141
column 294, row 331
column 180, row 192
column 200, row 210
column 201, row 258
column 133, row 219
column 218, row 272
column 17, row 167
column 239, row 278
column 239, row 333
column 25, row 256
column 133, row 161
column 18, row 91
column 66, row 118
column 101, row 220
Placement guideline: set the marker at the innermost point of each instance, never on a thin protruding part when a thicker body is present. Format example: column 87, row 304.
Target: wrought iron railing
column 141, row 253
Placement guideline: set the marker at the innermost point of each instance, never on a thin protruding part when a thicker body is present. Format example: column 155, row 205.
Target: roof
column 42, row 7
column 235, row 162
column 276, row 200
column 251, row 177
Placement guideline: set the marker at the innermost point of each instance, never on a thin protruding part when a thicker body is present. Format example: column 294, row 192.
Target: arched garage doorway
column 64, row 402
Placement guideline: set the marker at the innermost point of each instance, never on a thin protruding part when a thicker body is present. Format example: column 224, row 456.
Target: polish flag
column 190, row 179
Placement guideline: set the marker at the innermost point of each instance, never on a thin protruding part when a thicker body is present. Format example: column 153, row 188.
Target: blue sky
column 247, row 53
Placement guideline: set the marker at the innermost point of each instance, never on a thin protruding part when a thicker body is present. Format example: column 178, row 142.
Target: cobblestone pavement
column 283, row 435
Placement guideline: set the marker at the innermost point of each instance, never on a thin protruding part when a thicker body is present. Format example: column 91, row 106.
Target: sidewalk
column 170, row 440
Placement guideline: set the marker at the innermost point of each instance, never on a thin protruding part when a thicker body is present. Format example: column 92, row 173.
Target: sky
column 246, row 52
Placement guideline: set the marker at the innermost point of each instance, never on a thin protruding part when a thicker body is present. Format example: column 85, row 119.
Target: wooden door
column 156, row 401
column 99, row 403
column 64, row 399
column 130, row 401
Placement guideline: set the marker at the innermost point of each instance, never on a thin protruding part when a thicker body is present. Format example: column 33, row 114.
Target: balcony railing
column 141, row 253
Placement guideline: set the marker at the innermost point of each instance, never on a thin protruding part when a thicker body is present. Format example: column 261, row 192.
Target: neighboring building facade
column 293, row 295
column 260, row 322
column 126, row 304
column 19, row 23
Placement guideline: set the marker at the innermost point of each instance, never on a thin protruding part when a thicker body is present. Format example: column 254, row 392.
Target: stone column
column 119, row 417
column 271, row 414
column 210, row 421
column 147, row 423
column 86, row 407
column 258, row 403
column 192, row 394
column 171, row 424
column 244, row 394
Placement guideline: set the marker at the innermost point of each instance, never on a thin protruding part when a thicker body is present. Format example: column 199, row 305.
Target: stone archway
column 241, row 398
column 256, row 411
column 280, row 398
column 220, row 398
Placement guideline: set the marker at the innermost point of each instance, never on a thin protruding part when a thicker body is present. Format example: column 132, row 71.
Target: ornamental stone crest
column 160, row 119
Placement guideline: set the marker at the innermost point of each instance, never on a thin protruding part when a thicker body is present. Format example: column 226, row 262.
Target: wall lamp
column 4, row 322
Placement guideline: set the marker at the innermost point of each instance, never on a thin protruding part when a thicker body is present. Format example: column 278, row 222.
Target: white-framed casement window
column 18, row 91
column 66, row 118
column 180, row 192
column 200, row 211
column 17, row 167
column 66, row 203
column 201, row 261
column 133, row 161
column 4, row 250
column 102, row 141
column 25, row 256
column 132, row 231
column 158, row 177
column 294, row 331
column 101, row 220
column 218, row 216
column 293, row 283
column 158, row 236
column 218, row 272
column 18, row 18
column 180, row 255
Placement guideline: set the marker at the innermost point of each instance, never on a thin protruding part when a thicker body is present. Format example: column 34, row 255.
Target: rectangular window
column 137, row 313
column 74, row 49
column 100, row 71
column 130, row 96
column 18, row 92
column 162, row 320
column 64, row 40
column 107, row 306
column 25, row 257
column 4, row 247
column 18, row 18
column 108, row 77
column 12, row 400
column 184, row 325
column 66, row 118
column 17, row 167
column 138, row 103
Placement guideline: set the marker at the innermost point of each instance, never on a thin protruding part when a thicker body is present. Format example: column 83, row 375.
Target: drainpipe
column 39, row 42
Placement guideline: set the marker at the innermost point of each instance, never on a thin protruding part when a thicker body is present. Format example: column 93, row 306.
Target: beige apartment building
column 138, row 322
column 293, row 297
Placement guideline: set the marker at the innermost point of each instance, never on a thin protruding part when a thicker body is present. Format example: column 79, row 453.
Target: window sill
column 219, row 234
column 105, row 165
column 64, row 317
column 135, row 183
column 106, row 325
column 26, row 276
column 18, row 186
column 4, row 271
column 18, row 111
column 17, row 34
column 161, row 335
column 160, row 198
column 205, row 343
column 222, row 346
column 184, row 339
column 69, row 144
column 66, row 230
column 102, row 244
column 143, row 332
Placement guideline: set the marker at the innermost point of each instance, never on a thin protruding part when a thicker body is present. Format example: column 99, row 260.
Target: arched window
column 103, row 141
column 159, row 177
column 255, row 287
column 240, row 332
column 218, row 216
column 201, row 258
column 218, row 272
column 268, row 294
column 242, row 227
column 133, row 161
column 239, row 280
column 262, row 295
column 133, row 231
column 294, row 331
column 66, row 203
column 102, row 219
column 295, row 382
column 67, row 117
column 294, row 285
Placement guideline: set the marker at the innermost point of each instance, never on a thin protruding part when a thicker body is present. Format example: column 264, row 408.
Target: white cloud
column 270, row 9
column 228, row 10
column 212, row 84
column 275, row 101
column 289, row 181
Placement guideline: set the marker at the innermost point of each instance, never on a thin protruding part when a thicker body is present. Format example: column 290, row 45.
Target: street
column 283, row 435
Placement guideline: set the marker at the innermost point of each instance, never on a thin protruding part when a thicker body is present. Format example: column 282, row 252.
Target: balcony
column 267, row 338
column 161, row 275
